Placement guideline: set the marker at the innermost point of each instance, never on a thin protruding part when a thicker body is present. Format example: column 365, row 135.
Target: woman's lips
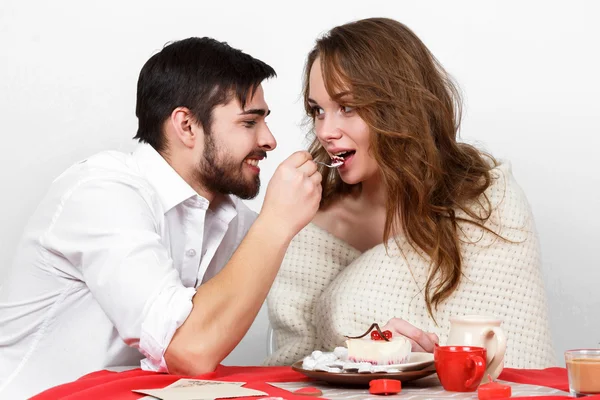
column 347, row 161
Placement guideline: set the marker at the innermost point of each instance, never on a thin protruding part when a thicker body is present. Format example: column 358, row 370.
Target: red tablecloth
column 118, row 385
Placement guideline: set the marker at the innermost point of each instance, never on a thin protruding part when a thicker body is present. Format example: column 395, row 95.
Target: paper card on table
column 207, row 391
column 193, row 382
column 165, row 394
column 201, row 382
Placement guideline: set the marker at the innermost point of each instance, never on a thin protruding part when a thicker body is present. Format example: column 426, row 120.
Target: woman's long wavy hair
column 413, row 110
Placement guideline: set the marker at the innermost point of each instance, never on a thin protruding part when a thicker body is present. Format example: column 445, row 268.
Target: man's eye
column 249, row 124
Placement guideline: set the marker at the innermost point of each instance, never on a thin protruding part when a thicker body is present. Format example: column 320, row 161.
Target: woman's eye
column 347, row 109
column 317, row 111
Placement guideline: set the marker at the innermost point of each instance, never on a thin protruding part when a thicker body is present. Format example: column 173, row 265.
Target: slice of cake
column 379, row 348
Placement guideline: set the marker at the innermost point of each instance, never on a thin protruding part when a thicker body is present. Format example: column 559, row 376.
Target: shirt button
column 191, row 253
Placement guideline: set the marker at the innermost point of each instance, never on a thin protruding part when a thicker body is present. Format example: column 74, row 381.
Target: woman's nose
column 328, row 129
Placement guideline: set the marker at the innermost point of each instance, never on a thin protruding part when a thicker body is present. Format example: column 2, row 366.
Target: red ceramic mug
column 459, row 368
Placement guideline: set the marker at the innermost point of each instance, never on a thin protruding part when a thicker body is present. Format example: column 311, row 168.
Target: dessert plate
column 416, row 361
column 363, row 379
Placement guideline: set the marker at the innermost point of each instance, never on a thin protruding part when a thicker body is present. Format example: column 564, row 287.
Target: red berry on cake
column 382, row 348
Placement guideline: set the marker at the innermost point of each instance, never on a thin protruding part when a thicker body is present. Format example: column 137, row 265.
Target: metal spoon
column 334, row 165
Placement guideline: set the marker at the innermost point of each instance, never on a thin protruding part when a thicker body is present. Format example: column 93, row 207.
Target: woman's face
column 341, row 131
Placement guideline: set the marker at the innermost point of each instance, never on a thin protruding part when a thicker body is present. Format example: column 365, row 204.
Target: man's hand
column 293, row 195
column 420, row 340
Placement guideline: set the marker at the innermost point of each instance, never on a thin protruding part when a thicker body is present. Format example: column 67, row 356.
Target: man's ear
column 184, row 127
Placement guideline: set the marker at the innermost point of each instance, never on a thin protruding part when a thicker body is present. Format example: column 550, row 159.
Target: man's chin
column 246, row 195
column 249, row 192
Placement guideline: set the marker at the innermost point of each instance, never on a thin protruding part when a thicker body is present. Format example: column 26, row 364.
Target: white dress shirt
column 106, row 270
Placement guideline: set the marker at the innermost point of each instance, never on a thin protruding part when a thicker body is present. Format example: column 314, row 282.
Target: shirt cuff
column 166, row 314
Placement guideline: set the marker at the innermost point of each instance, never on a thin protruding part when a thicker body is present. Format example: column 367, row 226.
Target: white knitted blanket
column 326, row 289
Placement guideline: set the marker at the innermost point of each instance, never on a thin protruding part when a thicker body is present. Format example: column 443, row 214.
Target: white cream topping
column 337, row 362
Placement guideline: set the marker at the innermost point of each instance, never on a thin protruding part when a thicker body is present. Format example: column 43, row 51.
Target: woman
column 414, row 227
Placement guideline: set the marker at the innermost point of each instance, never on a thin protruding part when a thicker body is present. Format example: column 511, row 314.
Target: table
column 416, row 392
column 272, row 380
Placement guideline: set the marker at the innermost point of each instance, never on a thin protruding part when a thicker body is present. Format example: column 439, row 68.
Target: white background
column 529, row 71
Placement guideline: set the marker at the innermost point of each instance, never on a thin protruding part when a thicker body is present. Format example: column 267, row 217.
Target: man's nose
column 266, row 140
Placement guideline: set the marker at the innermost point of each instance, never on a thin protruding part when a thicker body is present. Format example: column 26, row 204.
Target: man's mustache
column 257, row 154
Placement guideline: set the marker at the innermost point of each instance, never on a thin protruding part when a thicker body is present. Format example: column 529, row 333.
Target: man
column 151, row 257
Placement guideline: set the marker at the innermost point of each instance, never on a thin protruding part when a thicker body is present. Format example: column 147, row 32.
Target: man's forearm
column 225, row 307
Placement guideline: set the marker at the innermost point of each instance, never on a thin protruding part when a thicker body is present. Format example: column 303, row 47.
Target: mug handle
column 479, row 370
column 498, row 356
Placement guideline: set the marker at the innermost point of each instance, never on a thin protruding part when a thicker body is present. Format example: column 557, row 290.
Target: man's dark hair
column 197, row 73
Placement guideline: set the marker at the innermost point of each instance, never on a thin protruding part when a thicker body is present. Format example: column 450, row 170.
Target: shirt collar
column 224, row 208
column 173, row 190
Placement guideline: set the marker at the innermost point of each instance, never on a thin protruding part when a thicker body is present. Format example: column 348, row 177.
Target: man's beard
column 223, row 175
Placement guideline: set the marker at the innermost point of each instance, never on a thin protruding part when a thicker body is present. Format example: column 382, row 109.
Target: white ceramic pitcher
column 480, row 331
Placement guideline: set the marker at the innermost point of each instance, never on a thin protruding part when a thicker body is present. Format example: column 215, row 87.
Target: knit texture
column 326, row 289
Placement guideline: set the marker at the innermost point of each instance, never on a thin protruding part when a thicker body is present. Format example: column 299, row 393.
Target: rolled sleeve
column 158, row 329
column 109, row 230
